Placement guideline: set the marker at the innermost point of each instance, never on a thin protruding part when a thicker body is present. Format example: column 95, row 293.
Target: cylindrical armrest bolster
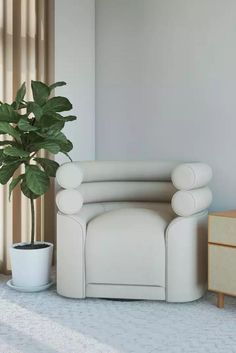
column 69, row 201
column 69, row 175
column 186, row 203
column 190, row 176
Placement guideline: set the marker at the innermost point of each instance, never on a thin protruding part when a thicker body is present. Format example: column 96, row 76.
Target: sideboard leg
column 220, row 300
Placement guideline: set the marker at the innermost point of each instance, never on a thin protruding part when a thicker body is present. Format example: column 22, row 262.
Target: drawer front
column 222, row 269
column 222, row 230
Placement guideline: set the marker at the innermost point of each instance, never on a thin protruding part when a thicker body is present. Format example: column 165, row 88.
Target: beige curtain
column 26, row 53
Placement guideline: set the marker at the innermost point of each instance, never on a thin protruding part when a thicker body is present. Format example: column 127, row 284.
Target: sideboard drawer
column 222, row 269
column 222, row 230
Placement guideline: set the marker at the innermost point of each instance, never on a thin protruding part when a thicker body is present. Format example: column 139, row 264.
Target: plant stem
column 32, row 220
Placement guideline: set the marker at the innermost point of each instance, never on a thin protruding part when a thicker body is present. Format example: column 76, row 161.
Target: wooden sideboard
column 222, row 254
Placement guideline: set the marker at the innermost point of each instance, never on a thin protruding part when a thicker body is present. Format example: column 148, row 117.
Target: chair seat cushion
column 127, row 247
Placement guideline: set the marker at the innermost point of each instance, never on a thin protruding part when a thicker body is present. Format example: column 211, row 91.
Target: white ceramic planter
column 31, row 268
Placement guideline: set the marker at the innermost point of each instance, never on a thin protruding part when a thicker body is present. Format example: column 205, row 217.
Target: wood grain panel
column 222, row 269
column 222, row 230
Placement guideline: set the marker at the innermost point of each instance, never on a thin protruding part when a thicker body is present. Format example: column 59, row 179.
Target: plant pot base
column 31, row 268
column 29, row 289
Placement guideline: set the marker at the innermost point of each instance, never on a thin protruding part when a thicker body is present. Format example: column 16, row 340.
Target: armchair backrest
column 126, row 181
column 106, row 181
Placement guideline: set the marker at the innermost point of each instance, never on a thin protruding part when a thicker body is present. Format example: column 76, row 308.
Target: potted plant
column 31, row 126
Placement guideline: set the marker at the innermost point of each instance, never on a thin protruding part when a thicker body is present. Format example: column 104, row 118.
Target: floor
column 45, row 322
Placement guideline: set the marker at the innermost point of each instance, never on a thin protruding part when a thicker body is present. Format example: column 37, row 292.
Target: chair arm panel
column 186, row 254
column 70, row 256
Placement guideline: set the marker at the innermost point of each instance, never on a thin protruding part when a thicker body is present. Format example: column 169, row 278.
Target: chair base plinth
column 118, row 291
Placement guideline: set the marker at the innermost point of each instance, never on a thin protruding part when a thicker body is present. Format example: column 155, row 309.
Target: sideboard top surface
column 229, row 214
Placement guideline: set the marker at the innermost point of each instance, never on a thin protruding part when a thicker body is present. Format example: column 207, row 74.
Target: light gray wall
column 166, row 84
column 75, row 64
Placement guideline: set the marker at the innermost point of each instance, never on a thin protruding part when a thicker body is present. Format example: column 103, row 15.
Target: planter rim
column 36, row 242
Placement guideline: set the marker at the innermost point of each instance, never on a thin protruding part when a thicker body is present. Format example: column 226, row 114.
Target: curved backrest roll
column 107, row 191
column 126, row 170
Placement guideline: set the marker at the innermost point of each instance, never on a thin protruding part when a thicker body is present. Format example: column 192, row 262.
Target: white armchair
column 133, row 230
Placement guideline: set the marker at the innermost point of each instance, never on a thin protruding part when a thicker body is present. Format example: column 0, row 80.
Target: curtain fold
column 26, row 53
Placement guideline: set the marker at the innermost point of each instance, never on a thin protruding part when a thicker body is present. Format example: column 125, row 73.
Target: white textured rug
column 45, row 322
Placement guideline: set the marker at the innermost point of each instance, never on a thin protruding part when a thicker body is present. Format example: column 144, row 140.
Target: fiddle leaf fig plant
column 29, row 127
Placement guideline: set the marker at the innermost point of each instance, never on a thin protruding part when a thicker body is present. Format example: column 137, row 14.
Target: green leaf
column 33, row 137
column 7, row 114
column 6, row 128
column 37, row 181
column 7, row 171
column 59, row 139
column 66, row 146
column 6, row 142
column 1, row 157
column 15, row 152
column 24, row 125
column 69, row 118
column 64, row 143
column 34, row 108
column 50, row 121
column 57, row 84
column 56, row 127
column 53, row 122
column 9, row 159
column 46, row 145
column 64, row 118
column 20, row 95
column 26, row 191
column 40, row 91
column 13, row 184
column 57, row 104
column 49, row 166
column 19, row 106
